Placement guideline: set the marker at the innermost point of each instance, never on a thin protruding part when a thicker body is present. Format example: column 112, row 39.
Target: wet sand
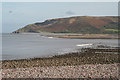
column 63, row 60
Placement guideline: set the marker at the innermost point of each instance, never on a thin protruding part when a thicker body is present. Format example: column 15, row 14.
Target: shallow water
column 21, row 46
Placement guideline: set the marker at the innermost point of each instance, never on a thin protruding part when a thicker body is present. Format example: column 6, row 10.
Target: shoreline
column 70, row 59
column 73, row 65
column 85, row 36
column 77, row 35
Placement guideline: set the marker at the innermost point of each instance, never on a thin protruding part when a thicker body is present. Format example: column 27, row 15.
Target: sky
column 16, row 15
column 60, row 0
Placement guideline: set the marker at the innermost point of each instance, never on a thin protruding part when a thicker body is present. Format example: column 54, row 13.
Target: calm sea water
column 22, row 46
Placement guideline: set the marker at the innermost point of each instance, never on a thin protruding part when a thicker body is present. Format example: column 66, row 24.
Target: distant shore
column 85, row 36
column 77, row 35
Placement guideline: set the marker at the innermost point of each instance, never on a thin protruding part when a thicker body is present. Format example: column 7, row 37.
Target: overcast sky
column 18, row 14
column 60, row 0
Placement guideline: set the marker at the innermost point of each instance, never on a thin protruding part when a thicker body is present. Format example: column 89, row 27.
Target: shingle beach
column 79, row 71
column 72, row 65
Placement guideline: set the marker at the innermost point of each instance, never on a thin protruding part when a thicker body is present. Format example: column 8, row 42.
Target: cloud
column 70, row 13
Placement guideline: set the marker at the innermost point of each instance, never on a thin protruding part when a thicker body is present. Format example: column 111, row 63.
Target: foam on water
column 50, row 37
column 84, row 45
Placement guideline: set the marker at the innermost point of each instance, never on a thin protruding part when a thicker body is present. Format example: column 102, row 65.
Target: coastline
column 73, row 65
column 77, row 58
column 85, row 36
column 76, row 35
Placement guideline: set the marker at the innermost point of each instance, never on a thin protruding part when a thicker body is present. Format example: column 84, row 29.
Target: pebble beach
column 79, row 71
column 72, row 65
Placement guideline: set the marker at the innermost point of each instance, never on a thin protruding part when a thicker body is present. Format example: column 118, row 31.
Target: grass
column 113, row 30
column 42, row 31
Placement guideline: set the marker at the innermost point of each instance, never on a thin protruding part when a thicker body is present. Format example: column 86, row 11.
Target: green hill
column 78, row 24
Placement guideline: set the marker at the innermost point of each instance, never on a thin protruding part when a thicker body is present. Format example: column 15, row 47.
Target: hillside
column 79, row 24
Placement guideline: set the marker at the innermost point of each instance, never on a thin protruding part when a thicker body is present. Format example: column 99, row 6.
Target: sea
column 35, row 45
